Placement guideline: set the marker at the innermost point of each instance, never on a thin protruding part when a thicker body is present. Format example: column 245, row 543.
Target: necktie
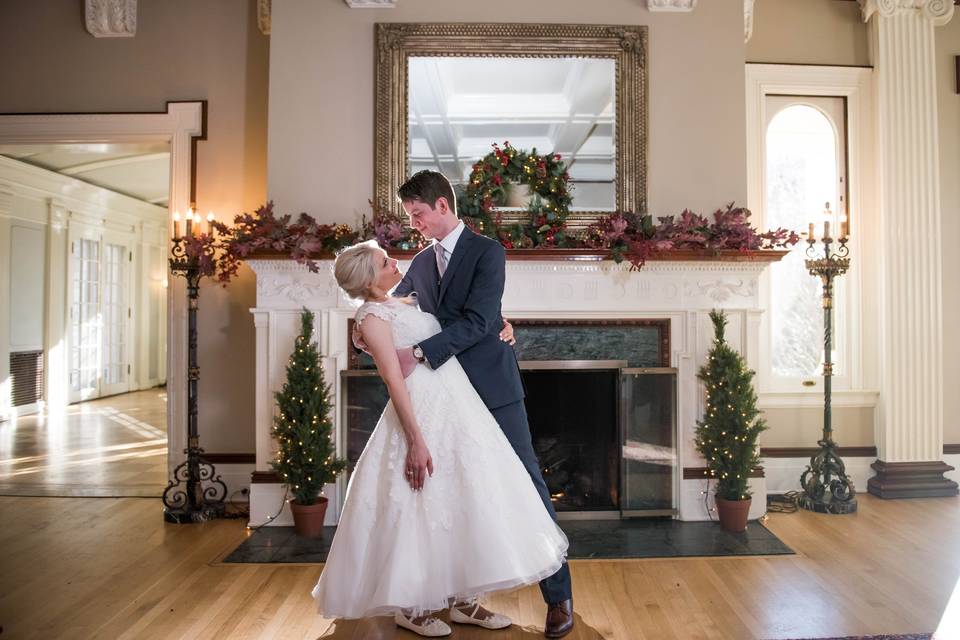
column 441, row 258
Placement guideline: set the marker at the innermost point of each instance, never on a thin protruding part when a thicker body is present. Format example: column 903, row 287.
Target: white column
column 58, row 310
column 910, row 425
column 6, row 384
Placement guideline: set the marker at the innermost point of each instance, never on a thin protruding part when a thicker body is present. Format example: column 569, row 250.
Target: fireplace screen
column 648, row 428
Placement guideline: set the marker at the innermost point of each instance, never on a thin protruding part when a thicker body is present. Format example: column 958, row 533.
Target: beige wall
column 808, row 32
column 852, row 427
column 183, row 50
column 948, row 46
column 321, row 96
column 321, row 138
column 783, row 33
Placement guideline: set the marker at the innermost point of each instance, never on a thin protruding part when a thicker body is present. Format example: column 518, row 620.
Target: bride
column 439, row 509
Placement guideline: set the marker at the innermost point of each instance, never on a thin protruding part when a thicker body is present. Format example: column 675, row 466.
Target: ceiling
column 459, row 106
column 140, row 170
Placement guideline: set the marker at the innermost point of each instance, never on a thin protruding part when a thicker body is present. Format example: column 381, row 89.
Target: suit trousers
column 512, row 419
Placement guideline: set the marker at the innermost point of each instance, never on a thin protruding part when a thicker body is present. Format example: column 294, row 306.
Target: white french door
column 99, row 306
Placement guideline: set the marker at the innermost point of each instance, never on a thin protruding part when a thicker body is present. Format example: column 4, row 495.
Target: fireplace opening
column 572, row 411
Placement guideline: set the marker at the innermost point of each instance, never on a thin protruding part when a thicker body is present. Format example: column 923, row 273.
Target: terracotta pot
column 733, row 514
column 308, row 518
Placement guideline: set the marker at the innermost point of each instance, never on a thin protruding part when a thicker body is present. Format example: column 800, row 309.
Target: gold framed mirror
column 446, row 92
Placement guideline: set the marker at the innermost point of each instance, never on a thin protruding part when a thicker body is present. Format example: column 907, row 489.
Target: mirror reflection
column 459, row 106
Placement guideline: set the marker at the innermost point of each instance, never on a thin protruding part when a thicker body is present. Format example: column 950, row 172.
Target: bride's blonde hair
column 355, row 268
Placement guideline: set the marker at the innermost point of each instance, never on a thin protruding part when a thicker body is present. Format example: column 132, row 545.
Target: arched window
column 805, row 167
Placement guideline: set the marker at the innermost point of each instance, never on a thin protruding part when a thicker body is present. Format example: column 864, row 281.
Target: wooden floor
column 114, row 446
column 110, row 568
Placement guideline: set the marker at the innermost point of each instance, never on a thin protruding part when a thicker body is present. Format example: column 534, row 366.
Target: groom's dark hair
column 428, row 186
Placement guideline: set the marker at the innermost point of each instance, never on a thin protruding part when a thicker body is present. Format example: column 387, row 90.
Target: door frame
column 181, row 125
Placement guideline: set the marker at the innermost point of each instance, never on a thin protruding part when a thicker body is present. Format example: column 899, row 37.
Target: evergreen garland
column 305, row 456
column 727, row 435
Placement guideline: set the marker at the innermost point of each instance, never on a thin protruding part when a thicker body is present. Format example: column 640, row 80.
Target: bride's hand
column 419, row 463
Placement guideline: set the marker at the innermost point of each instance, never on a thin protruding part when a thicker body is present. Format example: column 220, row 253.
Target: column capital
column 938, row 11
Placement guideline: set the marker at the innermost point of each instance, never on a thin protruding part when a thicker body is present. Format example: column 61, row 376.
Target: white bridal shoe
column 431, row 627
column 495, row 621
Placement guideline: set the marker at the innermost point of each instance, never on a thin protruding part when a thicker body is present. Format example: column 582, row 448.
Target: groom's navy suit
column 466, row 301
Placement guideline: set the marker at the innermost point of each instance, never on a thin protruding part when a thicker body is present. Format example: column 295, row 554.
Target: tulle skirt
column 477, row 526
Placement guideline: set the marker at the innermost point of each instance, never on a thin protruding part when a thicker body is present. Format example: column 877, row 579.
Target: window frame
column 854, row 85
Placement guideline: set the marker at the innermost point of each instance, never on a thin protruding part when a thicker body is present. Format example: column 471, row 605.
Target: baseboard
column 268, row 503
column 697, row 497
column 783, row 474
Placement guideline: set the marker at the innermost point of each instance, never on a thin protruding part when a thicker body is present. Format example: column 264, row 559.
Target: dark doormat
column 589, row 539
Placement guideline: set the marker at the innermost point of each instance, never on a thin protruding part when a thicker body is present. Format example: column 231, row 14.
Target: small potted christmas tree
column 305, row 456
column 727, row 435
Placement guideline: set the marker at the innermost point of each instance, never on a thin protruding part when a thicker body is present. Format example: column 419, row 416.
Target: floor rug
column 589, row 539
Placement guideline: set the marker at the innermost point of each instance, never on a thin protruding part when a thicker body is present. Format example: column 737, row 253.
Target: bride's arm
column 379, row 338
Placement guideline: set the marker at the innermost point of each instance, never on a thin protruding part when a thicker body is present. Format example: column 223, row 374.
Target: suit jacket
column 467, row 304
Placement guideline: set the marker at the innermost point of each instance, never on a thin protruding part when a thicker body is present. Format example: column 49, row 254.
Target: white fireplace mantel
column 682, row 292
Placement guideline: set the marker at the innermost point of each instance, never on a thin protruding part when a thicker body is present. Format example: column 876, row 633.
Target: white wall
column 40, row 211
column 27, row 275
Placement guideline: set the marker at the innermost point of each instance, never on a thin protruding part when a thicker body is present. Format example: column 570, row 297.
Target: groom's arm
column 481, row 313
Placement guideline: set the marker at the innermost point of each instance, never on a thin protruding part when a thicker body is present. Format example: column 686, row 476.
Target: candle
column 210, row 220
column 189, row 222
column 176, row 225
column 843, row 225
column 810, row 233
column 826, row 230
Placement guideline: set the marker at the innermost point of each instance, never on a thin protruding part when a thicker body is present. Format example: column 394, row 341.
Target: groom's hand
column 407, row 361
column 357, row 339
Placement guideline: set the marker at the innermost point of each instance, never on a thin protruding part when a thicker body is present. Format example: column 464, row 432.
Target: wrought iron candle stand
column 826, row 486
column 186, row 499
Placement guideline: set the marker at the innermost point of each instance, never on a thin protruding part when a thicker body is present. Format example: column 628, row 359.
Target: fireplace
column 570, row 310
column 603, row 428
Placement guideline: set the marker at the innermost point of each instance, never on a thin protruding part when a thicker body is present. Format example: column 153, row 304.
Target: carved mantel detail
column 671, row 5
column 111, row 18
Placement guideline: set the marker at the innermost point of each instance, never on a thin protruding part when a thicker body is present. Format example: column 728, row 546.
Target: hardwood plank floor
column 110, row 568
column 111, row 447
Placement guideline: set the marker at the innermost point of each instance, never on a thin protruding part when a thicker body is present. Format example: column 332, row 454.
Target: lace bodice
column 410, row 325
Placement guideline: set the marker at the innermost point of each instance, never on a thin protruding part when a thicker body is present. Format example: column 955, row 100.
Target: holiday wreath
column 509, row 168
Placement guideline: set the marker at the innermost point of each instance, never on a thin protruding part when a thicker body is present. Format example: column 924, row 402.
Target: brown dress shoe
column 559, row 619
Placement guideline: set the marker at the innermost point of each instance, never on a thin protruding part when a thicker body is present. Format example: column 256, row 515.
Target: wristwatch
column 418, row 354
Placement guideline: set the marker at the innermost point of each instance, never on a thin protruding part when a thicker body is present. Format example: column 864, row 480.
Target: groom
column 460, row 280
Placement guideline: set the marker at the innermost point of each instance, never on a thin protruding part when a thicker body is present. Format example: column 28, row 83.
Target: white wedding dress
column 477, row 526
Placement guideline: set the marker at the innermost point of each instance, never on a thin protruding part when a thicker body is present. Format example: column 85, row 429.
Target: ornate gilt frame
column 627, row 45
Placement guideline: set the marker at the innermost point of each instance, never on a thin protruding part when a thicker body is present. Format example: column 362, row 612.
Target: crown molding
column 674, row 6
column 747, row 20
column 111, row 18
column 371, row 4
column 263, row 16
